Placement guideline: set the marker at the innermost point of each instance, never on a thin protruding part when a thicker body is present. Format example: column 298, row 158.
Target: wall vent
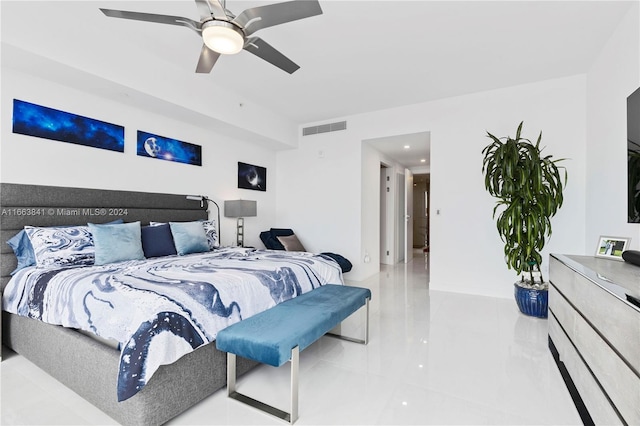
column 324, row 128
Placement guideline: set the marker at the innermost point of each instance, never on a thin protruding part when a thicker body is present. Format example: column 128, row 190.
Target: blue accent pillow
column 117, row 242
column 23, row 250
column 157, row 241
column 189, row 237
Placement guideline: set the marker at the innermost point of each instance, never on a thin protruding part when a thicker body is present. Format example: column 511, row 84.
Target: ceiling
column 411, row 150
column 358, row 56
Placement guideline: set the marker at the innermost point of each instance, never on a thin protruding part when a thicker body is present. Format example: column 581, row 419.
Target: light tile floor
column 433, row 358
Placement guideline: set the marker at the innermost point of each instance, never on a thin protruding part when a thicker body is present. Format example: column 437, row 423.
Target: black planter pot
column 532, row 302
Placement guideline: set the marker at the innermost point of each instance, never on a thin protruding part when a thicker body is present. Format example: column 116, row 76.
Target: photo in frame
column 163, row 148
column 49, row 123
column 611, row 247
column 252, row 177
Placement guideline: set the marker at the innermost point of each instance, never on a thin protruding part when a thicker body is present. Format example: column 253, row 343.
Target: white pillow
column 211, row 230
column 61, row 246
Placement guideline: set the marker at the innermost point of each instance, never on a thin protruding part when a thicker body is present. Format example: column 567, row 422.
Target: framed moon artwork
column 163, row 148
column 252, row 177
column 48, row 123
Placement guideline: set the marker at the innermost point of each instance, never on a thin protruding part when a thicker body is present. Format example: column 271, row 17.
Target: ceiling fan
column 224, row 33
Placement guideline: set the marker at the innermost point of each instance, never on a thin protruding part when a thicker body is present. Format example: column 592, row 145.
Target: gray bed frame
column 83, row 364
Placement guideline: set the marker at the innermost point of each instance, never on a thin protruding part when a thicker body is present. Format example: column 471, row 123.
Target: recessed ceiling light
column 407, row 146
column 423, row 160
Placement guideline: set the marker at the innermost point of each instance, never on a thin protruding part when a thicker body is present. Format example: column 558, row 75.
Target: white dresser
column 594, row 334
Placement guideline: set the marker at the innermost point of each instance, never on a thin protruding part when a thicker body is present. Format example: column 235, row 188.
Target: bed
column 87, row 366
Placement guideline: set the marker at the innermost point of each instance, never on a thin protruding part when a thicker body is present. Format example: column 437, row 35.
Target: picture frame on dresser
column 612, row 247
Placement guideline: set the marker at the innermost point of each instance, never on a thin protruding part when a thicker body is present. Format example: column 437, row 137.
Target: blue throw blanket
column 163, row 308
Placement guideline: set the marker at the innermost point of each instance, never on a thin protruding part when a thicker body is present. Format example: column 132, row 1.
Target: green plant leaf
column 528, row 190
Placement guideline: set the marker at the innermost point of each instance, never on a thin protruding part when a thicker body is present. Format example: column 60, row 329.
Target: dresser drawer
column 616, row 322
column 617, row 379
column 594, row 399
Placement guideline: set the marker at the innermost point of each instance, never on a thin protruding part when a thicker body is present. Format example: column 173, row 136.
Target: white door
column 408, row 212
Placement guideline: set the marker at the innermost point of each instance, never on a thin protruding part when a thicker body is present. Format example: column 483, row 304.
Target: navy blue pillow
column 157, row 241
column 281, row 232
column 344, row 263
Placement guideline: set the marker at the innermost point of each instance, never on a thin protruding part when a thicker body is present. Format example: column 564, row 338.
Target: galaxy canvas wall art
column 154, row 146
column 252, row 177
column 48, row 123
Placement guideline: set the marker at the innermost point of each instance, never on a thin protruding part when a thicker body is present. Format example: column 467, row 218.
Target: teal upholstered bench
column 277, row 335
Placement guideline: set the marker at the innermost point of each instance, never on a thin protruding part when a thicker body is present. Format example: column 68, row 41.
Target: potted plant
column 633, row 185
column 528, row 187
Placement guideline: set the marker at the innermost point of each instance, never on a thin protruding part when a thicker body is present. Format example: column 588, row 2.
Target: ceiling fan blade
column 264, row 50
column 207, row 60
column 257, row 18
column 206, row 8
column 152, row 17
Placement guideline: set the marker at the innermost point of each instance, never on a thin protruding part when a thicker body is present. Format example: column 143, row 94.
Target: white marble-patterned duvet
column 163, row 308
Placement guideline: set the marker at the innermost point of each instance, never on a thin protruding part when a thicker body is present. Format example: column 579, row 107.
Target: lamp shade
column 240, row 208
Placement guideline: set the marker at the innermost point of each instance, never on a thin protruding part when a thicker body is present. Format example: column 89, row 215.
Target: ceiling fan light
column 222, row 37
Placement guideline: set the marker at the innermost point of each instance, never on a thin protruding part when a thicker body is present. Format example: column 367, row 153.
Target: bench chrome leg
column 231, row 373
column 295, row 367
column 233, row 394
column 366, row 329
column 366, row 323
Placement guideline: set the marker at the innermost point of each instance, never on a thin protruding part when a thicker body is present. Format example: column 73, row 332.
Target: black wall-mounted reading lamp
column 202, row 200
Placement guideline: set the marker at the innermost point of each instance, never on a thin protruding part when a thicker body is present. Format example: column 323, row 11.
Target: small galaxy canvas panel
column 154, row 146
column 252, row 177
column 48, row 123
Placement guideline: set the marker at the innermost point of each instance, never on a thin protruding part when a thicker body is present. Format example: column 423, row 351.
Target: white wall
column 613, row 76
column 26, row 159
column 582, row 118
column 370, row 197
column 328, row 192
column 319, row 193
column 466, row 252
column 388, row 201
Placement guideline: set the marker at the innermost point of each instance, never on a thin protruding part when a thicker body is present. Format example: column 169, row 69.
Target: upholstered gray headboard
column 39, row 205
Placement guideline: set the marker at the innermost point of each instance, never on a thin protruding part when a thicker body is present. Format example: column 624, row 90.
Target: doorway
column 399, row 158
column 396, row 215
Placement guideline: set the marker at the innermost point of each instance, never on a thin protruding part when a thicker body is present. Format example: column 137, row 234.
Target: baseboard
column 573, row 391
